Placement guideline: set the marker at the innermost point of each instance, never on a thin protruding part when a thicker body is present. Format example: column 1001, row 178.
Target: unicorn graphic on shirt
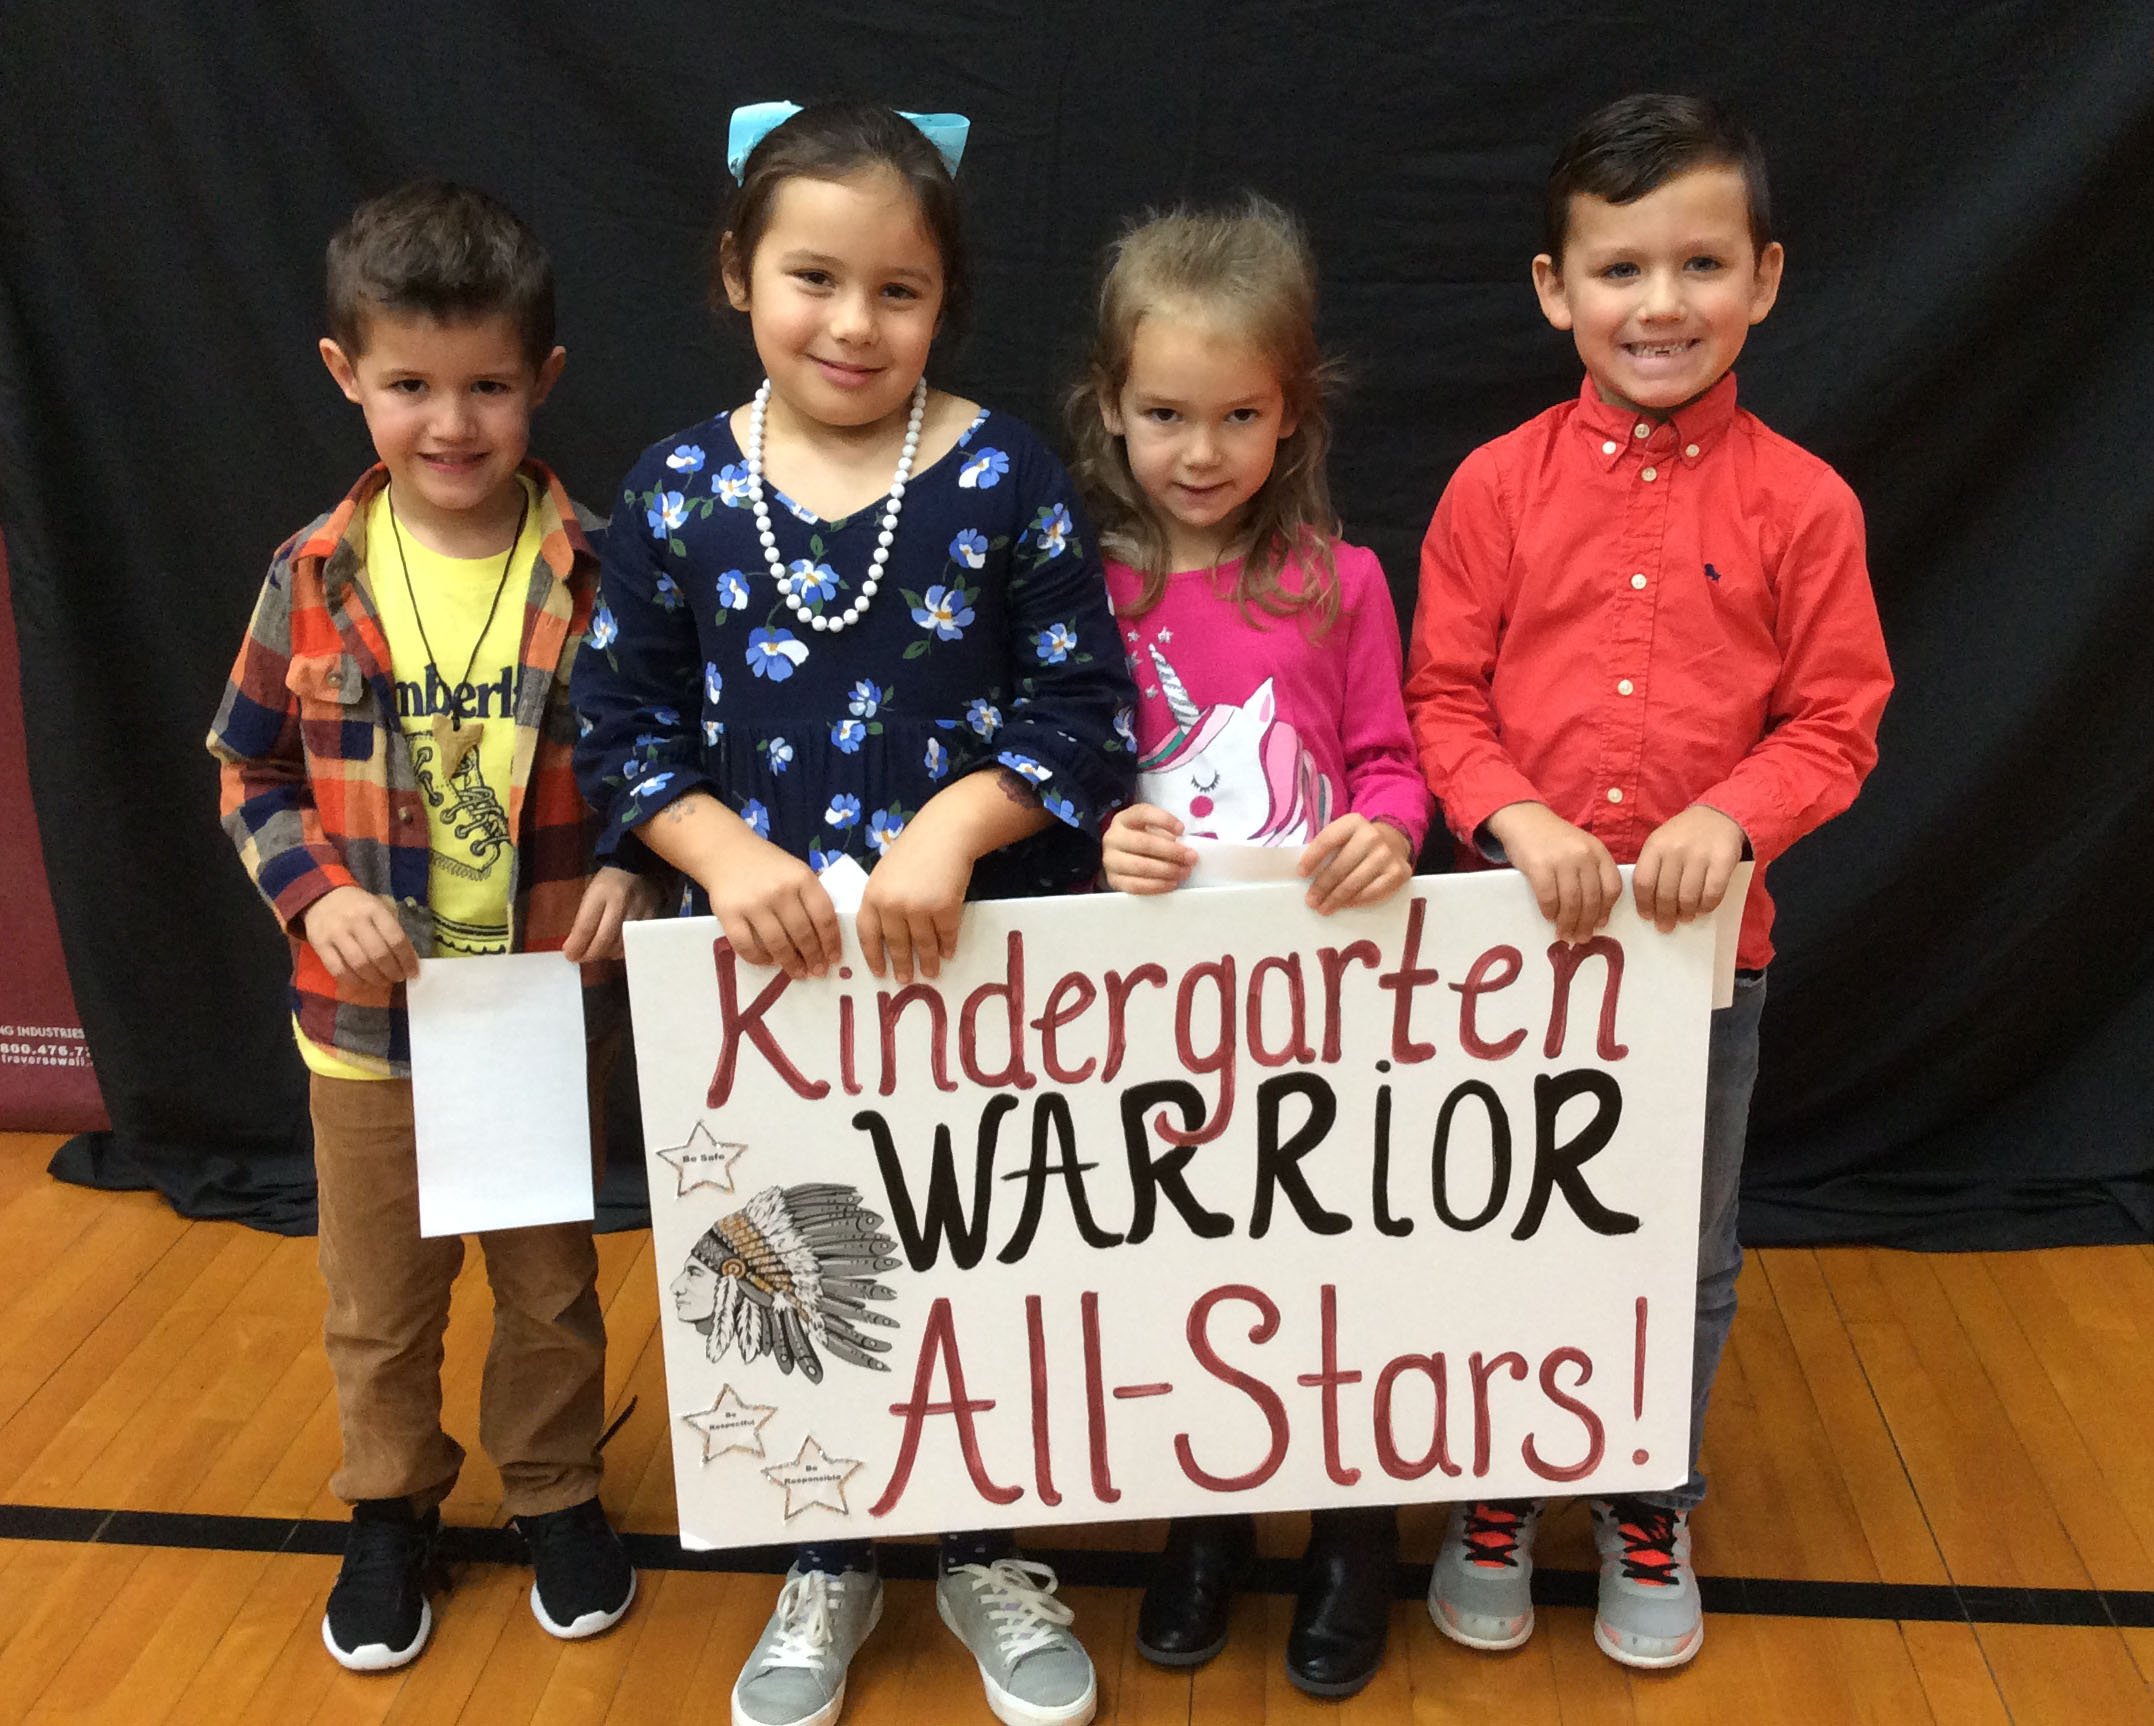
column 1233, row 772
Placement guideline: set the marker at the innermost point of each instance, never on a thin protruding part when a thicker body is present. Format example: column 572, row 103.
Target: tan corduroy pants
column 542, row 1397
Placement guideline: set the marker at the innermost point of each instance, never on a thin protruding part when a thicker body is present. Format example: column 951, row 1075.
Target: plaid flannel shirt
column 317, row 784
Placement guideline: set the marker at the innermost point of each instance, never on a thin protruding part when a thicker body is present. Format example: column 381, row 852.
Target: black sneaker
column 584, row 1581
column 378, row 1615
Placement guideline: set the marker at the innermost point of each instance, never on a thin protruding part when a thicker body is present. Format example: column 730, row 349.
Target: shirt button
column 1609, row 447
column 1641, row 429
column 1651, row 473
column 404, row 815
column 1623, row 687
column 1691, row 450
column 1615, row 793
column 1638, row 580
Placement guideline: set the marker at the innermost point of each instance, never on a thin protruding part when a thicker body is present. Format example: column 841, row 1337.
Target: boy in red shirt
column 1645, row 635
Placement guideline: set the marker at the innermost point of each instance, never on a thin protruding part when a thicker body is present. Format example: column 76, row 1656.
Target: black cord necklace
column 450, row 738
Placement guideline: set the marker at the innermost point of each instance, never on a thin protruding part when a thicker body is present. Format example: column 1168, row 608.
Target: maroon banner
column 46, row 1081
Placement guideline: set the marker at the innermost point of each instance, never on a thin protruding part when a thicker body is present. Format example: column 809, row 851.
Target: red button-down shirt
column 1620, row 618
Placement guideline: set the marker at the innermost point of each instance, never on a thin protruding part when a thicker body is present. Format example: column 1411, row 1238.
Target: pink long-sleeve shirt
column 1260, row 730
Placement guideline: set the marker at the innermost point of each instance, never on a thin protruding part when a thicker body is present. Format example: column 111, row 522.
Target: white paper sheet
column 844, row 880
column 1222, row 864
column 1727, row 933
column 498, row 1089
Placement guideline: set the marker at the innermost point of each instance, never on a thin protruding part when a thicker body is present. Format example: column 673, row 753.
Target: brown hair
column 443, row 251
column 833, row 141
column 1247, row 268
column 1637, row 144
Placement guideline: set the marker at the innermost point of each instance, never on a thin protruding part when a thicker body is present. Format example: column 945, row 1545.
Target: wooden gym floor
column 1933, row 1501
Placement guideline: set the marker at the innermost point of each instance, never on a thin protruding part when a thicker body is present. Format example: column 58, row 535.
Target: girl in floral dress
column 859, row 617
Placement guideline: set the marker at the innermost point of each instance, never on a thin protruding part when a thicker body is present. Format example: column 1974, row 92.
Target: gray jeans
column 1731, row 1072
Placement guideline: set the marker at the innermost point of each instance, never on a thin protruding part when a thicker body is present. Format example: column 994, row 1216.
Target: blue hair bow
column 754, row 121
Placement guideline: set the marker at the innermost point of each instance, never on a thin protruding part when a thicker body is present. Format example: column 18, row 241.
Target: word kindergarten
column 1168, row 1205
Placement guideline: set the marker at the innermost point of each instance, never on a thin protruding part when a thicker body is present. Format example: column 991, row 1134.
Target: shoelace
column 382, row 1551
column 569, row 1528
column 1020, row 1594
column 1492, row 1534
column 804, row 1609
column 1648, row 1543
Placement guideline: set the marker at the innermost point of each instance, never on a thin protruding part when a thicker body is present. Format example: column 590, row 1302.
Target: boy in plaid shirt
column 395, row 743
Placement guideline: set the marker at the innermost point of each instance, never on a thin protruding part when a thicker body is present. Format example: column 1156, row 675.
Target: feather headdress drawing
column 789, row 1273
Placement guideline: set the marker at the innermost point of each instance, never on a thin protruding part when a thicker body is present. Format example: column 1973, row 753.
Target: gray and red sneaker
column 1481, row 1591
column 1650, row 1614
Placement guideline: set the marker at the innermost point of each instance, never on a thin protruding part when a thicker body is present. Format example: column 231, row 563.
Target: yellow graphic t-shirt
column 466, row 798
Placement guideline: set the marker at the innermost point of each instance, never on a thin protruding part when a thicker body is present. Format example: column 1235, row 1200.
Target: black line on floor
column 1763, row 1596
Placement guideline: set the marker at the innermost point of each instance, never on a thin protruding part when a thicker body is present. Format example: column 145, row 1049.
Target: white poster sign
column 1178, row 1204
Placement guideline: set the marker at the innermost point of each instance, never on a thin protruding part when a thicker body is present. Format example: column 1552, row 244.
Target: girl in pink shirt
column 1266, row 653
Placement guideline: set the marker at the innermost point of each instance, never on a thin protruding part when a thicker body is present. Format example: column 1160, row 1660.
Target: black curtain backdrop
column 1957, row 1049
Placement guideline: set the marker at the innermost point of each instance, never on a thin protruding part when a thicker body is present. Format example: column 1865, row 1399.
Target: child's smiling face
column 449, row 408
column 1660, row 293
column 1200, row 414
column 843, row 296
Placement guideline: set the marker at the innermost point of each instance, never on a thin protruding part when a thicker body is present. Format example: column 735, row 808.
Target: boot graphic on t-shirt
column 469, row 812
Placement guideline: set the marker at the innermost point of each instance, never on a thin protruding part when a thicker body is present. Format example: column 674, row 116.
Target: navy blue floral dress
column 990, row 639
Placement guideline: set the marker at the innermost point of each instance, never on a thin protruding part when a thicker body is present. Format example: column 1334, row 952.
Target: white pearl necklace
column 823, row 620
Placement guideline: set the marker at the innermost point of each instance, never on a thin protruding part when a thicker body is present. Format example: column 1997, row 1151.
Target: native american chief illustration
column 789, row 1273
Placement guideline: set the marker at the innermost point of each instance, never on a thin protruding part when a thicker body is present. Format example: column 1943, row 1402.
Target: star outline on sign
column 732, row 1418
column 695, row 1157
column 816, row 1474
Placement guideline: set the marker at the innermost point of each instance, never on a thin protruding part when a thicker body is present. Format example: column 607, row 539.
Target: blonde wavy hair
column 1245, row 270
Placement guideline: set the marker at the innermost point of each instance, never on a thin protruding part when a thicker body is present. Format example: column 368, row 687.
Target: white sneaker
column 1005, row 1613
column 796, row 1675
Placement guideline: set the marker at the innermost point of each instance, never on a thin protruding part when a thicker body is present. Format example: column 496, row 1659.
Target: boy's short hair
column 443, row 251
column 1637, row 144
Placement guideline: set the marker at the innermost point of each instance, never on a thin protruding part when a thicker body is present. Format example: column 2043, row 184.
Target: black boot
column 1182, row 1620
column 1343, row 1611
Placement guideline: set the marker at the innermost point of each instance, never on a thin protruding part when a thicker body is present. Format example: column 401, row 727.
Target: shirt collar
column 1688, row 436
column 561, row 536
